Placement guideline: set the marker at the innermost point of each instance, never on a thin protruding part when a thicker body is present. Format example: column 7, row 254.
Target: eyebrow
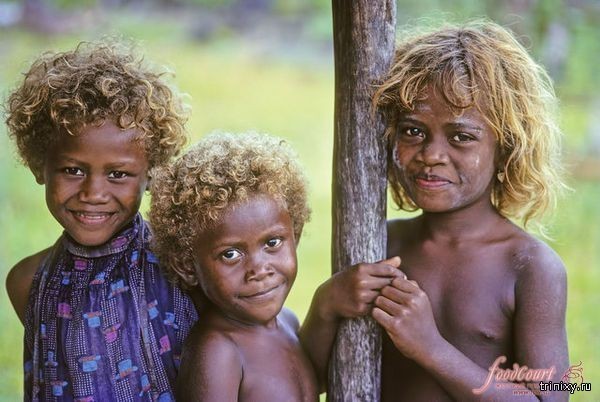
column 235, row 241
column 462, row 125
column 409, row 119
column 456, row 125
column 117, row 164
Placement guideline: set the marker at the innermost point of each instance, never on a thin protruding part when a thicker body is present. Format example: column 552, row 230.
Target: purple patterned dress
column 103, row 323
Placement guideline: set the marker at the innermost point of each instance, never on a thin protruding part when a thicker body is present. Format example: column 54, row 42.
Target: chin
column 90, row 241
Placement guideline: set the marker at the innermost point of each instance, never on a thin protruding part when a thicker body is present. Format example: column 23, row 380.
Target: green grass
column 234, row 87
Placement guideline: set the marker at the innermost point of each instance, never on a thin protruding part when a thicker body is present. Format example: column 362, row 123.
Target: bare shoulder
column 206, row 356
column 290, row 320
column 533, row 258
column 209, row 343
column 19, row 278
column 540, row 273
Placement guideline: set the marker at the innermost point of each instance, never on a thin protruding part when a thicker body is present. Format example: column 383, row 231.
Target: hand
column 404, row 311
column 350, row 293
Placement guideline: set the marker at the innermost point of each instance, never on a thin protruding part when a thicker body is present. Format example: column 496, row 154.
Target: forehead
column 435, row 105
column 249, row 217
column 101, row 141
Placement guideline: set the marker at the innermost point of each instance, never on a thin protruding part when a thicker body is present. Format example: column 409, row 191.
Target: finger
column 377, row 283
column 368, row 297
column 393, row 261
column 389, row 306
column 382, row 318
column 383, row 270
column 405, row 285
column 397, row 295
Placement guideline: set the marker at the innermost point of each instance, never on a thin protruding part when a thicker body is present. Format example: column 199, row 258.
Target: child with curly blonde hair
column 472, row 142
column 227, row 217
column 101, row 322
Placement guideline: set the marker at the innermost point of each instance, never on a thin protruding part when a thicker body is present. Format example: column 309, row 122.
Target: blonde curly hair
column 482, row 64
column 95, row 82
column 191, row 194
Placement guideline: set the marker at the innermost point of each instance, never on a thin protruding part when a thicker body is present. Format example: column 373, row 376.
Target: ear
column 39, row 175
column 298, row 235
column 148, row 182
column 499, row 158
column 188, row 276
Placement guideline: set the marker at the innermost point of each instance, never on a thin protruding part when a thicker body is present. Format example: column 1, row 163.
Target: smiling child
column 472, row 142
column 228, row 216
column 101, row 321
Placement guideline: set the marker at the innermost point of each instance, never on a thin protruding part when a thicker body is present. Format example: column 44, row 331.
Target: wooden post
column 364, row 33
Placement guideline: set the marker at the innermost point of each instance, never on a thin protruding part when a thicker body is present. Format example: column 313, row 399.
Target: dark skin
column 227, row 361
column 94, row 186
column 477, row 287
column 246, row 348
column 347, row 294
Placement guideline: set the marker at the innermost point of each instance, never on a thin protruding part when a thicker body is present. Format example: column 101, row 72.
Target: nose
column 93, row 190
column 434, row 151
column 259, row 268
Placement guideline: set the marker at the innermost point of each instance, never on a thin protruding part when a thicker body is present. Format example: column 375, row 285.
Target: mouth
column 431, row 182
column 91, row 217
column 263, row 294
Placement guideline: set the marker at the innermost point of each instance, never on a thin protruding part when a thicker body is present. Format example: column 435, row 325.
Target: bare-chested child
column 472, row 142
column 227, row 218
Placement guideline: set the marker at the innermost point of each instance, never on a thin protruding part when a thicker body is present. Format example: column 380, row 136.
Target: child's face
column 445, row 161
column 247, row 264
column 95, row 182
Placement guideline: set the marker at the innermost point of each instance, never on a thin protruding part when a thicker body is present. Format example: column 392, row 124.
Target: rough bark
column 364, row 32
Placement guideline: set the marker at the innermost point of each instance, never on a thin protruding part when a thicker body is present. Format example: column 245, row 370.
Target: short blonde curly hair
column 190, row 195
column 95, row 82
column 482, row 64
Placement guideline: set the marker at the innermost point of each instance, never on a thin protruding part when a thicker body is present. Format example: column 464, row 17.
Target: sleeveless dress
column 103, row 323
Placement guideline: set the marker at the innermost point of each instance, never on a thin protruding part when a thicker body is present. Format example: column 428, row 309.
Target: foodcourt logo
column 525, row 381
column 516, row 374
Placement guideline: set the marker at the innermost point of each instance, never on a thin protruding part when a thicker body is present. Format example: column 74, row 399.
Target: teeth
column 92, row 216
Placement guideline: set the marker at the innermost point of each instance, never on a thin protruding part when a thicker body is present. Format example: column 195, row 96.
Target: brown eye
column 461, row 137
column 73, row 171
column 274, row 242
column 117, row 174
column 413, row 132
column 230, row 254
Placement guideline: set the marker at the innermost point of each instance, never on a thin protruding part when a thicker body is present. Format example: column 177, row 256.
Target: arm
column 18, row 281
column 347, row 294
column 211, row 369
column 540, row 340
column 540, row 303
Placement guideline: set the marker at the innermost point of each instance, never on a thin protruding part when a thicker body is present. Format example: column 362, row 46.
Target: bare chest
column 276, row 369
column 471, row 295
column 472, row 299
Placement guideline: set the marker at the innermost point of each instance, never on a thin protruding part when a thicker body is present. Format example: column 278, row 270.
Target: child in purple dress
column 101, row 322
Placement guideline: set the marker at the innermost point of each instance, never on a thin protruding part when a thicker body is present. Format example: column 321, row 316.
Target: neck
column 472, row 222
column 224, row 320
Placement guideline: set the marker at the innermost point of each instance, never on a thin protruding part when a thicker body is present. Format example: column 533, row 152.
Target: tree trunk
column 364, row 33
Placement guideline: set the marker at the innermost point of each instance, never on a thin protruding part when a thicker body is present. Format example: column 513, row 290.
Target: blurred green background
column 267, row 65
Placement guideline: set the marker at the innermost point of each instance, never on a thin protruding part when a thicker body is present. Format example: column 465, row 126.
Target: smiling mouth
column 91, row 218
column 263, row 294
column 431, row 181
